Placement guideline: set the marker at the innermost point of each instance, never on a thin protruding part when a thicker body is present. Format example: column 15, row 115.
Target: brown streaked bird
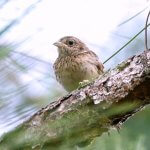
column 75, row 63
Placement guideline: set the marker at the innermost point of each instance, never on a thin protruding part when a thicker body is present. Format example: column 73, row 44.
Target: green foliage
column 4, row 51
column 134, row 135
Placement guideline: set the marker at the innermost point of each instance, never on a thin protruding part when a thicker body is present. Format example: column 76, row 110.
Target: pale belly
column 71, row 76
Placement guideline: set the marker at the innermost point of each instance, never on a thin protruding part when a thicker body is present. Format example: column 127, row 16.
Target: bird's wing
column 93, row 59
column 96, row 61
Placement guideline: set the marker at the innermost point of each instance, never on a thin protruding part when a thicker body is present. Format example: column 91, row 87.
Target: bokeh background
column 28, row 30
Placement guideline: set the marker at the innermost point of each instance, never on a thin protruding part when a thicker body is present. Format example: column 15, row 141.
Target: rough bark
column 87, row 112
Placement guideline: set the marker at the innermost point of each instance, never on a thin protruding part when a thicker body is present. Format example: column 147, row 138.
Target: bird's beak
column 57, row 44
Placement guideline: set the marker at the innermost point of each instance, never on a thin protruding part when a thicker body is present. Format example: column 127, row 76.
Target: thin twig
column 32, row 57
column 146, row 44
column 124, row 22
column 125, row 45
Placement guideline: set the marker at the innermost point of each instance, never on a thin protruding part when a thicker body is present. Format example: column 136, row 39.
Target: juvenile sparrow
column 75, row 63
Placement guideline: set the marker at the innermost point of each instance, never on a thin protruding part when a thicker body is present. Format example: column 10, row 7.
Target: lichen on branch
column 86, row 113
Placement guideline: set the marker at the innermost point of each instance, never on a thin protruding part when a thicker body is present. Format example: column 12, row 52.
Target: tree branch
column 88, row 112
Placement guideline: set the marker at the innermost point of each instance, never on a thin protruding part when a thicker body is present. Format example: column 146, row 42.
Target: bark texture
column 87, row 112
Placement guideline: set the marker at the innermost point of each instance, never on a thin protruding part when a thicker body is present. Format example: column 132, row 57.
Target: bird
column 75, row 63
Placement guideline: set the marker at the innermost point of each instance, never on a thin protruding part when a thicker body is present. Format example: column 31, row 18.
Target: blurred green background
column 27, row 81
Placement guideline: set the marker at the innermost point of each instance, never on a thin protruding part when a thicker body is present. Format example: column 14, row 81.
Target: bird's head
column 69, row 45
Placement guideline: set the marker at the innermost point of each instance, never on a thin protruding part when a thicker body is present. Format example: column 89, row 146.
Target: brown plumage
column 75, row 63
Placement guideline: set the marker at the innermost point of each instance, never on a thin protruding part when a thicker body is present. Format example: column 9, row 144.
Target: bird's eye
column 70, row 42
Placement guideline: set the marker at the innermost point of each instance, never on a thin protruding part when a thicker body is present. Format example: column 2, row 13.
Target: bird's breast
column 70, row 71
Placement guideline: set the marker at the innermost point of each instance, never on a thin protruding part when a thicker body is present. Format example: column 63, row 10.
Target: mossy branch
column 89, row 112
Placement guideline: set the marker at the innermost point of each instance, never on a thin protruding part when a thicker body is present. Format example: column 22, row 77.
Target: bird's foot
column 83, row 84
